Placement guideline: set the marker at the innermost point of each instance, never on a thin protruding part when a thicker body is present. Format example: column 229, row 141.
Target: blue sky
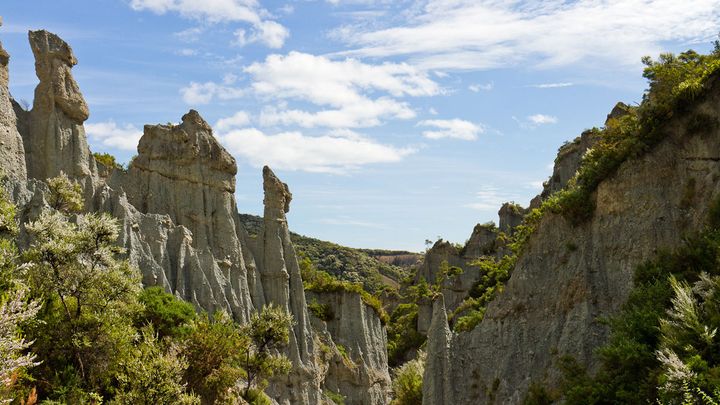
column 392, row 121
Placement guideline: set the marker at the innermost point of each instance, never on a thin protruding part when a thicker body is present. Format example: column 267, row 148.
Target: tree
column 408, row 381
column 213, row 350
column 169, row 316
column 65, row 195
column 15, row 309
column 688, row 348
column 221, row 353
column 269, row 331
column 153, row 375
column 89, row 297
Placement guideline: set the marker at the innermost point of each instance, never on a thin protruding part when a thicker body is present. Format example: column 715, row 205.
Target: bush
column 107, row 160
column 321, row 311
column 168, row 315
column 65, row 195
column 402, row 333
column 318, row 281
column 335, row 397
column 407, row 382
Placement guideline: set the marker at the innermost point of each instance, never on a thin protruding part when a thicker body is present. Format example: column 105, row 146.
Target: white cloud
column 540, row 119
column 110, row 135
column 203, row 93
column 187, row 52
column 264, row 30
column 296, row 151
column 189, row 35
column 455, row 128
column 484, row 34
column 270, row 33
column 481, row 87
column 237, row 120
column 365, row 113
column 345, row 85
column 551, row 85
column 490, row 198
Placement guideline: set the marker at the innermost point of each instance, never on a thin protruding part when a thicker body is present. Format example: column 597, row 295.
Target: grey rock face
column 481, row 242
column 12, row 152
column 555, row 296
column 363, row 377
column 511, row 215
column 56, row 140
column 282, row 284
column 436, row 382
column 183, row 172
column 180, row 225
column 440, row 254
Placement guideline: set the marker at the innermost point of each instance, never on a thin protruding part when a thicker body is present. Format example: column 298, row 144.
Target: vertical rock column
column 12, row 153
column 437, row 387
column 282, row 285
column 56, row 141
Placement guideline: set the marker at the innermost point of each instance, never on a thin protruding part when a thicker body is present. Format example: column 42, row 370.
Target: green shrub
column 402, row 333
column 335, row 397
column 407, row 382
column 107, row 160
column 65, row 195
column 321, row 311
column 168, row 315
column 319, row 281
column 494, row 274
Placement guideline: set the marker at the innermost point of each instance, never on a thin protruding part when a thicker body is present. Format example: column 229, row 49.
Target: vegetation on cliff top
column 319, row 281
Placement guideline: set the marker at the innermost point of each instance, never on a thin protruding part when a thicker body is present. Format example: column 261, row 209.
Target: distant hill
column 372, row 267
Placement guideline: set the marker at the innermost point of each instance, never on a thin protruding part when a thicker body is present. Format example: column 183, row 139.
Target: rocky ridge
column 179, row 221
column 569, row 277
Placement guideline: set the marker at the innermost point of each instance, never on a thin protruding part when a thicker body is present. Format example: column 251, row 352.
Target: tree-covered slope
column 373, row 268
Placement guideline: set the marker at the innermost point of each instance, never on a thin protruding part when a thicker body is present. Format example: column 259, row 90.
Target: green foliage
column 689, row 353
column 494, row 274
column 407, row 382
column 220, row 353
column 257, row 397
column 346, row 264
column 213, row 350
column 152, row 375
column 345, row 355
column 65, row 195
column 446, row 273
column 107, row 160
column 338, row 399
column 168, row 315
column 321, row 311
column 402, row 332
column 90, row 298
column 539, row 395
column 319, row 281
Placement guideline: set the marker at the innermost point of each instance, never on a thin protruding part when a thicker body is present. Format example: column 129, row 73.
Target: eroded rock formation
column 12, row 152
column 56, row 141
column 179, row 222
column 437, row 383
column 556, row 296
column 360, row 374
